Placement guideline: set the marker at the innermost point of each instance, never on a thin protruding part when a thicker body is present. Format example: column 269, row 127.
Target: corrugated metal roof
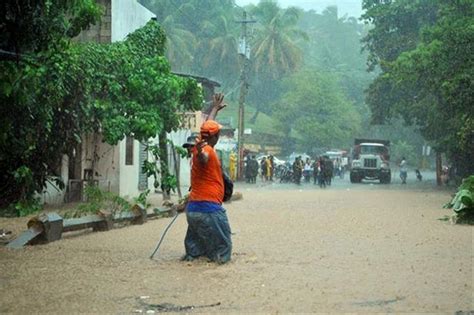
column 203, row 80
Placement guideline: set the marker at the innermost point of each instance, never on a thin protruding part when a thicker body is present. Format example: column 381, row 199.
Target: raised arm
column 217, row 105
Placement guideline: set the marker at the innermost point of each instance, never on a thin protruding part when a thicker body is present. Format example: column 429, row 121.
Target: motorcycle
column 286, row 175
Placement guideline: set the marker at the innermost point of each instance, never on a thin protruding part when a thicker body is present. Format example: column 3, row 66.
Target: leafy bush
column 142, row 199
column 462, row 202
column 99, row 200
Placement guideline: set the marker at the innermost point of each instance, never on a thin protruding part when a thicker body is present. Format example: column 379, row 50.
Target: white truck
column 371, row 160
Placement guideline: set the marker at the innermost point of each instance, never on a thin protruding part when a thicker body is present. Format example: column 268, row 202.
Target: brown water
column 372, row 249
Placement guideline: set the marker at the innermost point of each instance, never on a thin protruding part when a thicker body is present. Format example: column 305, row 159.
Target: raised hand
column 218, row 101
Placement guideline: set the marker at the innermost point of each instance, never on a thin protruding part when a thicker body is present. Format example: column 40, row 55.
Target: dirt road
column 373, row 248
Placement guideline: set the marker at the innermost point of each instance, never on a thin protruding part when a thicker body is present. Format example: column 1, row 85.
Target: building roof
column 200, row 79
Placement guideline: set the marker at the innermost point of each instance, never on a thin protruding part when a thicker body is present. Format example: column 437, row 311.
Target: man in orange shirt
column 208, row 231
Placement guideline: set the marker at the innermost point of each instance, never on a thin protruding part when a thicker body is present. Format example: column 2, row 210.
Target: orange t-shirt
column 206, row 178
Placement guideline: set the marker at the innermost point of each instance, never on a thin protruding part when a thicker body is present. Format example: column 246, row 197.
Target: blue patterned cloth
column 208, row 234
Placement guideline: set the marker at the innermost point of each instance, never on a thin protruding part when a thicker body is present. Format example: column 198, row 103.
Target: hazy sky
column 351, row 7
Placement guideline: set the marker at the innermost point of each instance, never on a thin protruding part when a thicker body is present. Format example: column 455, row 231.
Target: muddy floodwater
column 348, row 248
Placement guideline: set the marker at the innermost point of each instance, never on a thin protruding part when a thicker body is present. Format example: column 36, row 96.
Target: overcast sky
column 350, row 7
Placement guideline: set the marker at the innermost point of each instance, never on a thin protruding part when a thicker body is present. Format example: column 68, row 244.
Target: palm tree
column 180, row 45
column 220, row 58
column 275, row 50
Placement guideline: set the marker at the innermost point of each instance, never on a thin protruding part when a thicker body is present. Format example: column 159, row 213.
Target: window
column 129, row 151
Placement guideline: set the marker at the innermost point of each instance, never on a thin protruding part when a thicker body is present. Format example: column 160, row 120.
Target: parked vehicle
column 286, row 175
column 371, row 160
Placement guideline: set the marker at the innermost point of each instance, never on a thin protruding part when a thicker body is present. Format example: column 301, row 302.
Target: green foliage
column 121, row 89
column 22, row 208
column 400, row 149
column 317, row 111
column 170, row 182
column 100, row 200
column 34, row 26
column 463, row 202
column 182, row 152
column 275, row 51
column 424, row 49
column 142, row 199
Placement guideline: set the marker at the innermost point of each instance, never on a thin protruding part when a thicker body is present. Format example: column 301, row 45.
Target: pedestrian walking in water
column 403, row 170
column 233, row 166
column 329, row 170
column 315, row 171
column 208, row 231
column 268, row 168
column 297, row 170
column 272, row 167
column 307, row 170
column 322, row 172
column 263, row 168
column 253, row 169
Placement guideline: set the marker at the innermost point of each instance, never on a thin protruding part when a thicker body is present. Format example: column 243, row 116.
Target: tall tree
column 275, row 53
column 334, row 47
column 318, row 111
column 180, row 45
column 427, row 77
column 221, row 60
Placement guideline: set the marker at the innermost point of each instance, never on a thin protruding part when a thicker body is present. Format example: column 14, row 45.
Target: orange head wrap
column 210, row 128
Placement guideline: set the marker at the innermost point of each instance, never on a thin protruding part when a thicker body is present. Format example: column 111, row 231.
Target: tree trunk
column 164, row 168
column 438, row 169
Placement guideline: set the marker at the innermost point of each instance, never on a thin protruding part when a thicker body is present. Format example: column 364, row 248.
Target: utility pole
column 244, row 52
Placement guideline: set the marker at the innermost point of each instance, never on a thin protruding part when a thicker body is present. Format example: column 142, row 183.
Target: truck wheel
column 385, row 179
column 354, row 178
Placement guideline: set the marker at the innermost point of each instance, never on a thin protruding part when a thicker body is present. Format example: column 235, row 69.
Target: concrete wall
column 101, row 31
column 127, row 16
column 104, row 159
column 129, row 173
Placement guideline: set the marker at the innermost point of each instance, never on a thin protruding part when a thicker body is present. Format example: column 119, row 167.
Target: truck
column 371, row 160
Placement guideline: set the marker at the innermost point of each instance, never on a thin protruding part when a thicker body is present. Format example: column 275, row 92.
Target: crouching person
column 208, row 231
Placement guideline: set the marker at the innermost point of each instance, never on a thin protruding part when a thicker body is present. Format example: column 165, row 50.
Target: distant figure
column 263, row 168
column 297, row 170
column 272, row 167
column 233, row 166
column 307, row 170
column 268, row 168
column 248, row 175
column 253, row 169
column 315, row 170
column 403, row 170
column 328, row 170
column 322, row 172
column 418, row 175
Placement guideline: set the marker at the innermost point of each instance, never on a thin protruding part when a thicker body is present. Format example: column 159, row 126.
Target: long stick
column 164, row 234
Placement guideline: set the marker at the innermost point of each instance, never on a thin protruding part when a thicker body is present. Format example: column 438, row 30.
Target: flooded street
column 348, row 248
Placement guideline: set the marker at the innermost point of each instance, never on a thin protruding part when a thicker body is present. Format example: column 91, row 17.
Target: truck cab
column 371, row 160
